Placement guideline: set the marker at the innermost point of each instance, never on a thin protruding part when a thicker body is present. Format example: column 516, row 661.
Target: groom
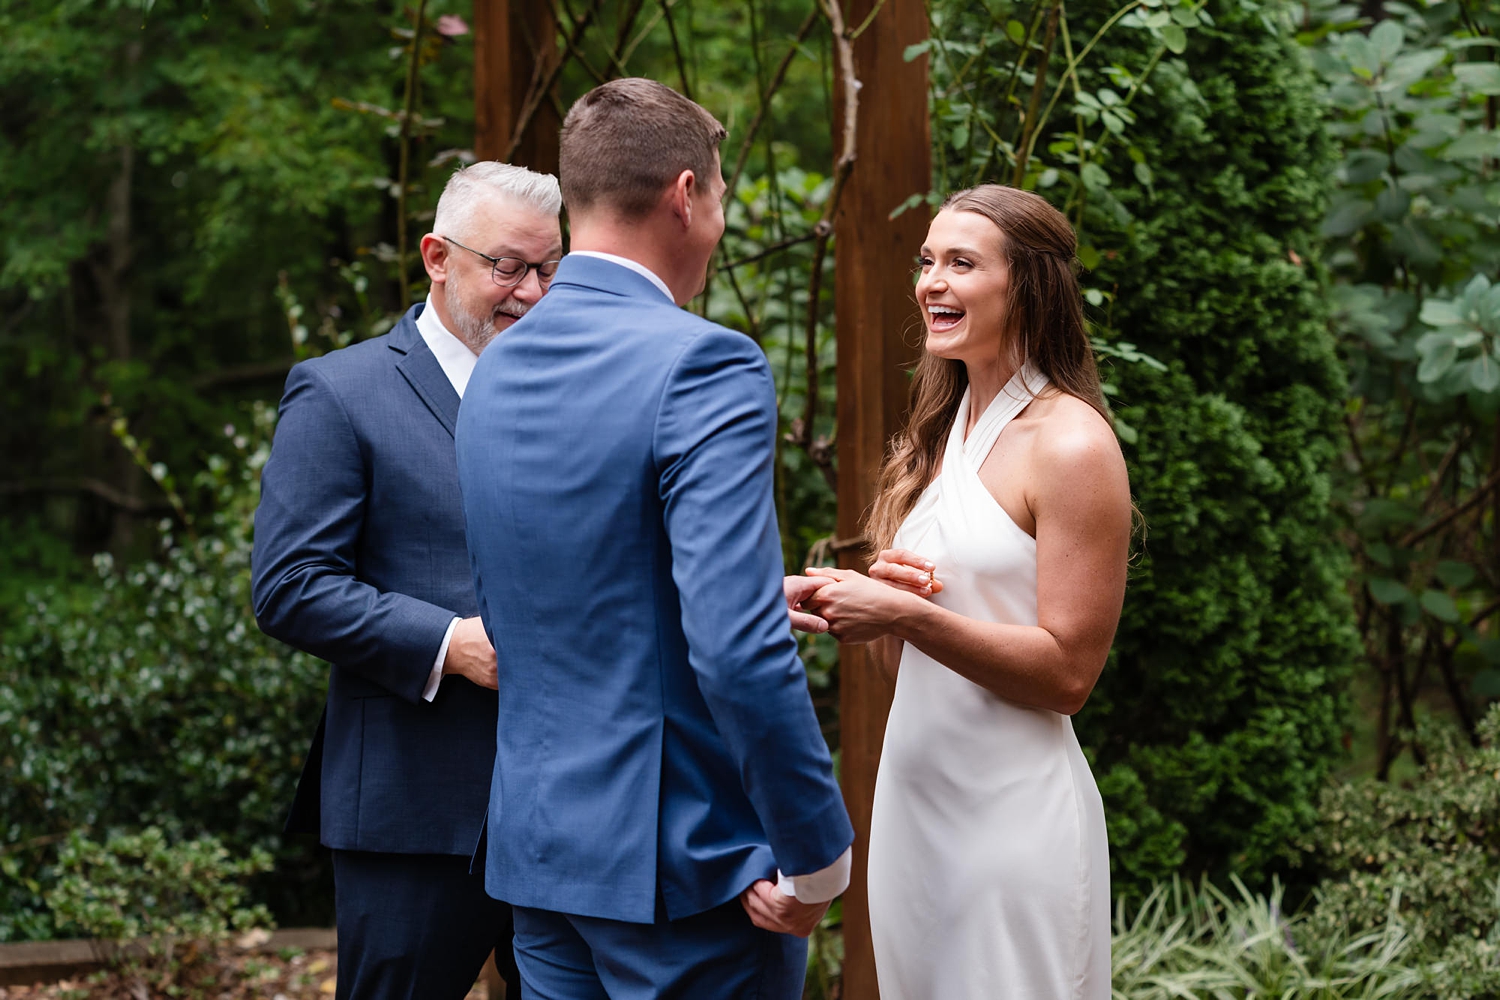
column 663, row 813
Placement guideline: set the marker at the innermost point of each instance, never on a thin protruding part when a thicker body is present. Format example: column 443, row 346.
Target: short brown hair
column 624, row 141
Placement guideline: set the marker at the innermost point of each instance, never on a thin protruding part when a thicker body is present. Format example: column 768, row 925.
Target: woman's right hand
column 907, row 571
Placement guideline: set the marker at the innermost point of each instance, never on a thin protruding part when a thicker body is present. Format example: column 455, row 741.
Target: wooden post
column 878, row 329
column 507, row 36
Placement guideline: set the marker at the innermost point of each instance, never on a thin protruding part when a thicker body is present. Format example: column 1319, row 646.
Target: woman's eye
column 961, row 262
column 924, row 262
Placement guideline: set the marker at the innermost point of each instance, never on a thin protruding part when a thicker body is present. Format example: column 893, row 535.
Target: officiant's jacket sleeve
column 715, row 447
column 308, row 533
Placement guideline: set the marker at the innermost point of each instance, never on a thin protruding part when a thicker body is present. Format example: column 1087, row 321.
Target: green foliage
column 140, row 886
column 1428, row 850
column 1180, row 943
column 154, row 700
column 1222, row 709
column 1414, row 237
column 1191, row 158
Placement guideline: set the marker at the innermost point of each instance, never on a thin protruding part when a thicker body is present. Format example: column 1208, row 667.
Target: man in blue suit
column 663, row 814
column 360, row 559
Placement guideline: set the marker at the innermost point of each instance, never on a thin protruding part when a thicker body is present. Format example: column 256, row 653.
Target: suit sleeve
column 307, row 529
column 715, row 449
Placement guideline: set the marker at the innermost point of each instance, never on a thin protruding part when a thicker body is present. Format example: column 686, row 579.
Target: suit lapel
column 423, row 373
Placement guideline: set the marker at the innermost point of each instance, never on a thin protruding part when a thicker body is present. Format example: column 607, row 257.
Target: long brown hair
column 1043, row 325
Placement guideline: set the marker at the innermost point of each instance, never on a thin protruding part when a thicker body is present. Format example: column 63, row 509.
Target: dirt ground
column 290, row 975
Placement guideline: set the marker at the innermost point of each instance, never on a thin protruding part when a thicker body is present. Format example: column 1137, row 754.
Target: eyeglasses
column 509, row 271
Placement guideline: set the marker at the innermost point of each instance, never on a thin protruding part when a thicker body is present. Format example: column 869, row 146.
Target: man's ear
column 682, row 191
column 435, row 257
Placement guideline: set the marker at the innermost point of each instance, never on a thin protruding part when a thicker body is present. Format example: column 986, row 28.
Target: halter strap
column 1023, row 387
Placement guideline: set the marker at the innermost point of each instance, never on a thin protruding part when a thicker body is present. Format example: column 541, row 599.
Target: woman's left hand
column 857, row 608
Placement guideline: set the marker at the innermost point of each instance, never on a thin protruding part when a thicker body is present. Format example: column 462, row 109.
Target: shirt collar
column 452, row 354
column 634, row 265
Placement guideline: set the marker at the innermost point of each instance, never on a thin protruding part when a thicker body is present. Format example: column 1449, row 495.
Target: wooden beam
column 508, row 34
column 877, row 322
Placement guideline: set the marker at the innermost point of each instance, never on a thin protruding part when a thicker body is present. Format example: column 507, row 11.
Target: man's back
column 655, row 732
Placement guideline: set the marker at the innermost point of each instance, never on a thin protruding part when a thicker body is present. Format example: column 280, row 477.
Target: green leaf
column 1482, row 77
column 1386, row 39
column 1438, row 312
column 1486, row 684
column 1185, row 16
column 1143, row 174
column 1348, row 218
column 1157, row 19
column 1174, row 38
column 1473, row 146
column 1125, row 432
column 1437, row 360
column 916, row 50
column 1484, row 374
column 1388, row 591
column 910, row 203
column 1047, row 178
column 1088, row 256
column 1015, row 31
column 1439, row 605
column 1457, row 575
column 1094, row 177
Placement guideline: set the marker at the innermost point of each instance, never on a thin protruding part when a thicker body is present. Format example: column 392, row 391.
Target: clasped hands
column 856, row 608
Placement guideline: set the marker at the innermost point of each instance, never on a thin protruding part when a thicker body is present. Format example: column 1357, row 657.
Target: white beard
column 475, row 324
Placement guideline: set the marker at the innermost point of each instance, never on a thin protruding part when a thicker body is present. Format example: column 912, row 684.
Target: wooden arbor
column 873, row 302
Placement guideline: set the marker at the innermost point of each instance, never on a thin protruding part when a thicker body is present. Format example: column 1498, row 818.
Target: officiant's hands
column 770, row 909
column 471, row 655
column 797, row 590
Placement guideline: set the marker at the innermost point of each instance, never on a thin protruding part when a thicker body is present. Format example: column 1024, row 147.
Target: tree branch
column 111, row 495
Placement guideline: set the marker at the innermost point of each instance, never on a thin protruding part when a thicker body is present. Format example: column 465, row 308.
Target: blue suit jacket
column 360, row 559
column 656, row 741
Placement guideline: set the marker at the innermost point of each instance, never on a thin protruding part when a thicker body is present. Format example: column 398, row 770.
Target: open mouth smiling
column 943, row 317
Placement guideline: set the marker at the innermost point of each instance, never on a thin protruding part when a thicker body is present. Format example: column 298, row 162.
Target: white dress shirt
column 458, row 362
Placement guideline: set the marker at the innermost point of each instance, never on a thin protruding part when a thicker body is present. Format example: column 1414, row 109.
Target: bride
column 1004, row 520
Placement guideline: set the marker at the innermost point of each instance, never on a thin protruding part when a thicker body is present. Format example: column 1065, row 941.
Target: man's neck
column 644, row 243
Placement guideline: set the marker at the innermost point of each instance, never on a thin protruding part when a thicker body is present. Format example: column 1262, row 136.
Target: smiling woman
column 1005, row 512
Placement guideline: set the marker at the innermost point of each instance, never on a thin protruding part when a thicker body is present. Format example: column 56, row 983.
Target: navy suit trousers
column 416, row 927
column 715, row 955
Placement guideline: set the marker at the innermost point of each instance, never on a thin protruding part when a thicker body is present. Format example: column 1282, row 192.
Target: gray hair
column 491, row 178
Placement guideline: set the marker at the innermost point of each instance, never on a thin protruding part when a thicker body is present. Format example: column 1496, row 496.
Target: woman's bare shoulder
column 1073, row 439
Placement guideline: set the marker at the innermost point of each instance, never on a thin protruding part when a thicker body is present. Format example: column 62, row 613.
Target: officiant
column 360, row 559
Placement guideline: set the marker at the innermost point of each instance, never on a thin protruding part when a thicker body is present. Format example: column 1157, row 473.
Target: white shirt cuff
column 820, row 886
column 436, row 677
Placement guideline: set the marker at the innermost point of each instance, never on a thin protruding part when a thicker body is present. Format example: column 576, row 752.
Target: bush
column 153, row 700
column 1216, row 722
column 139, row 886
column 1428, row 851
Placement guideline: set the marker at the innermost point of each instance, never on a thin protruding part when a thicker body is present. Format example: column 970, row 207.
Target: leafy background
column 1288, row 219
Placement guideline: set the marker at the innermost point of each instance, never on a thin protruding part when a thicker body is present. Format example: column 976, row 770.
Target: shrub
column 1220, row 713
column 153, row 700
column 170, row 903
column 1428, row 850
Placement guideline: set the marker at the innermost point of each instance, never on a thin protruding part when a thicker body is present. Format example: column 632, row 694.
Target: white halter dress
column 989, row 863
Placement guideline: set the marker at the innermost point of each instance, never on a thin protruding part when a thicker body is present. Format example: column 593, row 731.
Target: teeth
column 944, row 311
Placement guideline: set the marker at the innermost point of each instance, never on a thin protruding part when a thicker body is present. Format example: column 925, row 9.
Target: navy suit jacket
column 658, row 750
column 360, row 559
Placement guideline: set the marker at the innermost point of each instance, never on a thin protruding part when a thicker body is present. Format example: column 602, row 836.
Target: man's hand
column 470, row 654
column 797, row 590
column 771, row 909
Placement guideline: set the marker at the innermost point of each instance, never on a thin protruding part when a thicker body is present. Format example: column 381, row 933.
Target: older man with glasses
column 360, row 559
